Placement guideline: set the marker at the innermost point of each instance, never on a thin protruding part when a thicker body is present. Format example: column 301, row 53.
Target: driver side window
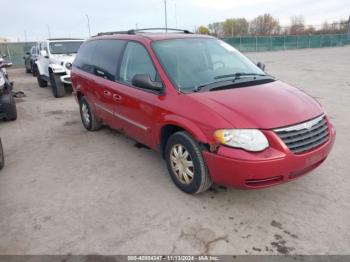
column 136, row 60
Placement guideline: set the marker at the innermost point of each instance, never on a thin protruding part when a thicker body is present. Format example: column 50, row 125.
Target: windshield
column 65, row 47
column 194, row 62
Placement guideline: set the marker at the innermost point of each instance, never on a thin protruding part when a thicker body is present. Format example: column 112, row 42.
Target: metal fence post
column 270, row 42
column 240, row 43
column 256, row 43
column 284, row 42
column 297, row 42
column 309, row 41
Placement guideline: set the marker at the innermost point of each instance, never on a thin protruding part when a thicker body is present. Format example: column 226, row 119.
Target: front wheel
column 57, row 86
column 41, row 82
column 186, row 164
column 12, row 110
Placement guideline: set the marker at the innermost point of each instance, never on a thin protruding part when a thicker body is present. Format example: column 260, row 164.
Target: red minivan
column 214, row 116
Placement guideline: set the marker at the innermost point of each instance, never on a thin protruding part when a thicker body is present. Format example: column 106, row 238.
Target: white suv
column 54, row 63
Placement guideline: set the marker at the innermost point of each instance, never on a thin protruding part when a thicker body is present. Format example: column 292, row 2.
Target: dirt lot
column 66, row 190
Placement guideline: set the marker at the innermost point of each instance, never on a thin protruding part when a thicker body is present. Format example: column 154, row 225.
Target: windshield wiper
column 238, row 75
column 199, row 87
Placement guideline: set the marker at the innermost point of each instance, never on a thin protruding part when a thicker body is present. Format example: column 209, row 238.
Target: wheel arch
column 175, row 124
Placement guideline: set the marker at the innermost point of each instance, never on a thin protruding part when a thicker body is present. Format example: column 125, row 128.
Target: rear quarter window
column 83, row 59
column 106, row 57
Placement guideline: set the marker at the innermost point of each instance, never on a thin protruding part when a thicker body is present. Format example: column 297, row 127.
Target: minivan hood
column 264, row 106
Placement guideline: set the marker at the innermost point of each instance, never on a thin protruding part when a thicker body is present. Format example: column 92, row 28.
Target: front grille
column 305, row 136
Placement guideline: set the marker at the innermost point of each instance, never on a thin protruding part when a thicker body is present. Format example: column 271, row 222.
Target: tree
column 217, row 29
column 203, row 30
column 264, row 25
column 235, row 26
column 297, row 25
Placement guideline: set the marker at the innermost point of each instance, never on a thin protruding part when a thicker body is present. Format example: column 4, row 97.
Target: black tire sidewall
column 81, row 102
column 200, row 169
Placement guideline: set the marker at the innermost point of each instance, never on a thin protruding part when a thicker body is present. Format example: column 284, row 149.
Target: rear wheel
column 12, row 110
column 57, row 86
column 88, row 117
column 186, row 164
column 2, row 158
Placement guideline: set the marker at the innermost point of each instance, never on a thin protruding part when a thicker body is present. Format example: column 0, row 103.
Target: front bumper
column 66, row 79
column 275, row 165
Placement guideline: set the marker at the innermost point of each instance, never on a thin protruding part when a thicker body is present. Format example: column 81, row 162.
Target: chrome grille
column 305, row 136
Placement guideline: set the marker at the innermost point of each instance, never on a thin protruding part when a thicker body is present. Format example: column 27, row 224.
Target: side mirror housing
column 261, row 65
column 145, row 81
column 43, row 53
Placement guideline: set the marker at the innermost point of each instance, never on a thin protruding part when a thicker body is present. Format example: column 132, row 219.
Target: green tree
column 235, row 26
column 203, row 30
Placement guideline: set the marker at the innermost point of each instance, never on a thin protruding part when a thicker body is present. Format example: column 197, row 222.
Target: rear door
column 106, row 61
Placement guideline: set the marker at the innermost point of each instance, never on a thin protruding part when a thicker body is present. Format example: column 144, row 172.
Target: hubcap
column 85, row 113
column 182, row 164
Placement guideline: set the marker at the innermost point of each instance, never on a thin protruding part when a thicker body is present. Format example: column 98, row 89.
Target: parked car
column 54, row 63
column 30, row 58
column 213, row 114
column 8, row 109
column 2, row 158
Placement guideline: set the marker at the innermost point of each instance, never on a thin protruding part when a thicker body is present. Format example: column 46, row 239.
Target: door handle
column 107, row 93
column 117, row 97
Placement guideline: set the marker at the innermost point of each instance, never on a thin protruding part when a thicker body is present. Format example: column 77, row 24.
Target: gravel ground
column 65, row 190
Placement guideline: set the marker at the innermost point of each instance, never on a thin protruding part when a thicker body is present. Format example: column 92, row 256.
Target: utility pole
column 88, row 24
column 48, row 30
column 175, row 15
column 166, row 16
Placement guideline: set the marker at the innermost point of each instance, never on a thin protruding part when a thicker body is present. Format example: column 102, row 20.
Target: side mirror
column 27, row 53
column 144, row 81
column 261, row 66
column 43, row 53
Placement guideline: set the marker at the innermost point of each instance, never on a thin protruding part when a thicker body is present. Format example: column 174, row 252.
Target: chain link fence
column 16, row 51
column 274, row 43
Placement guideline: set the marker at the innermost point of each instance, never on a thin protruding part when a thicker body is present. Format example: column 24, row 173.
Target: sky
column 32, row 20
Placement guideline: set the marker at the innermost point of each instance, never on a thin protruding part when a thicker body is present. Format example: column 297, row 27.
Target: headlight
column 69, row 66
column 248, row 139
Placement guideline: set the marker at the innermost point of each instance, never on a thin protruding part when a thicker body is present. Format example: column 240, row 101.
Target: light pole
column 48, row 30
column 166, row 16
column 88, row 24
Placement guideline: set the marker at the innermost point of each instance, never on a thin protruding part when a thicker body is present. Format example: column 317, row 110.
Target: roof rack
column 64, row 38
column 135, row 31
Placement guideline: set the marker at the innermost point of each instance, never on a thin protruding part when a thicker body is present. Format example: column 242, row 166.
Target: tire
column 42, row 82
column 200, row 180
column 33, row 70
column 12, row 110
column 85, row 110
column 28, row 71
column 2, row 158
column 57, row 86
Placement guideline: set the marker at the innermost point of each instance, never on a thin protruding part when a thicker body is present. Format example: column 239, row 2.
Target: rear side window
column 83, row 59
column 106, row 57
column 136, row 60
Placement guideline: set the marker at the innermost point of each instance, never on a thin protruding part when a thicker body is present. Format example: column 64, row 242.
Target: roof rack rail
column 135, row 31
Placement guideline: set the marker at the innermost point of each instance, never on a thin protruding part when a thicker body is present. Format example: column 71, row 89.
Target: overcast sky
column 67, row 18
